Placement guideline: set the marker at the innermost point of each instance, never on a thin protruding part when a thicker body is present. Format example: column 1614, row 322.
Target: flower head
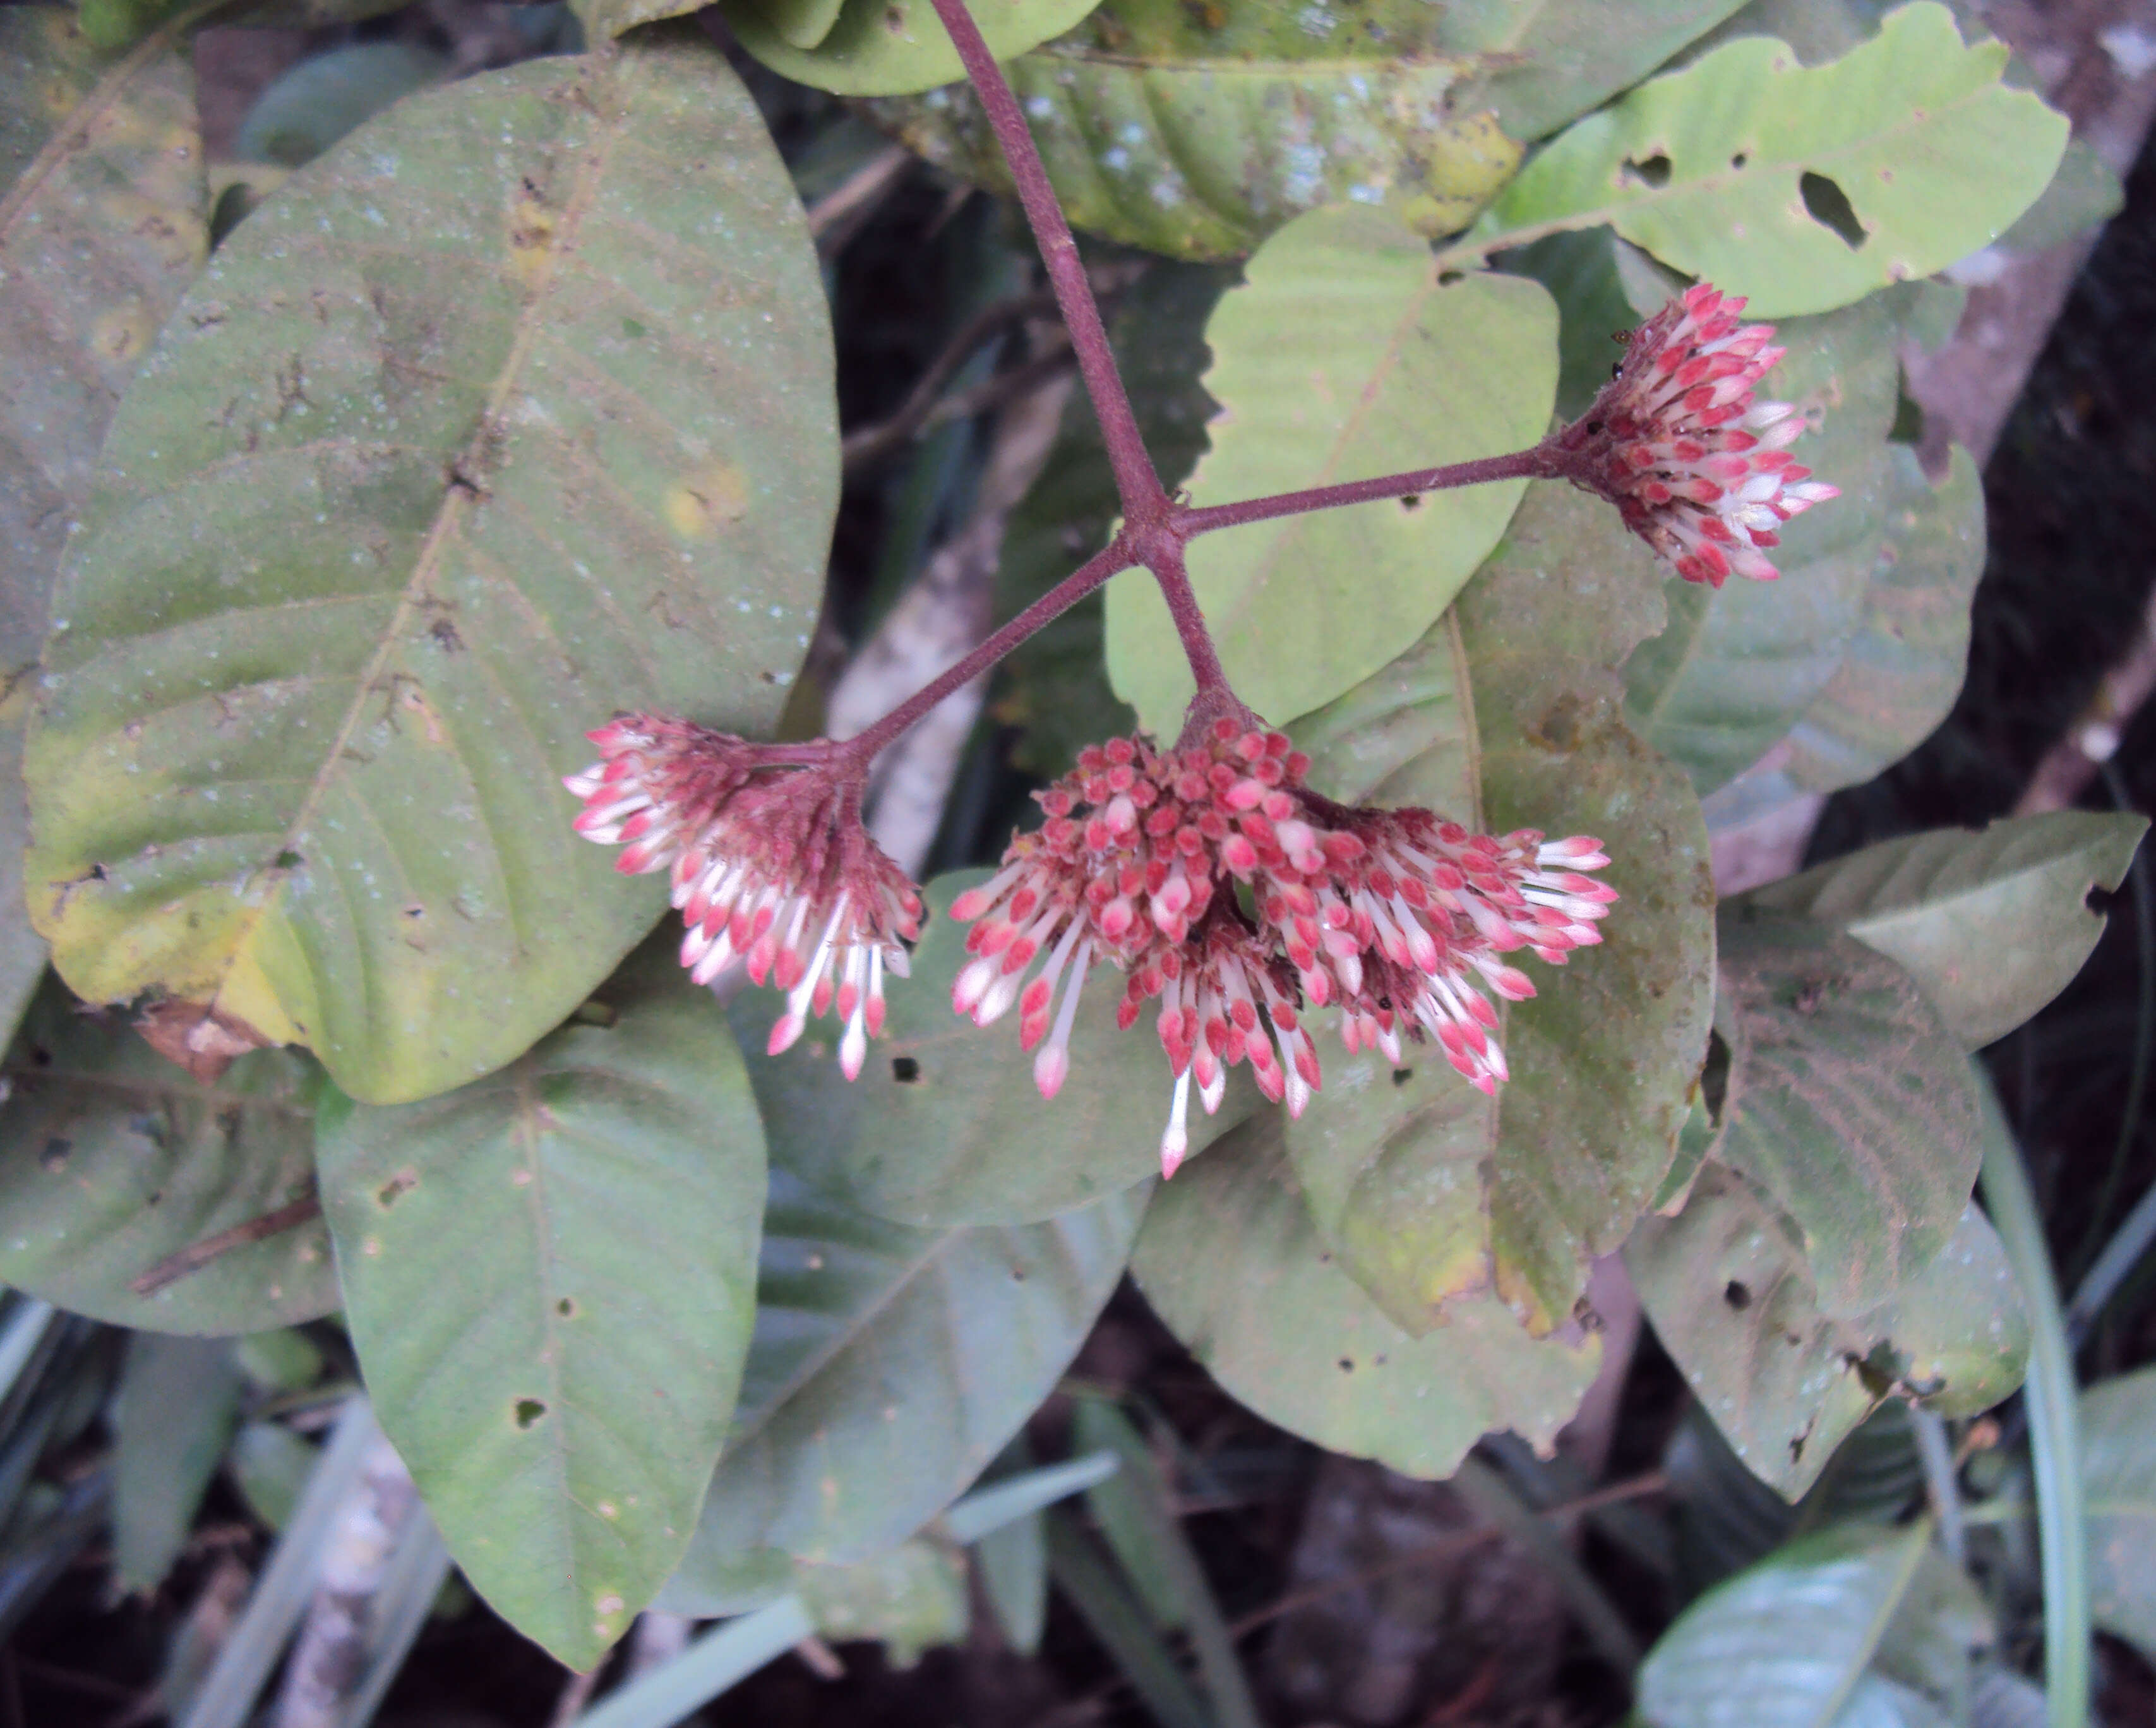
column 1699, row 471
column 770, row 866
column 1218, row 882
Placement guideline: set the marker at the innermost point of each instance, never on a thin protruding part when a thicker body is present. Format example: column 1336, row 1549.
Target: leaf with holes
column 888, row 1366
column 1850, row 1105
column 514, row 409
column 2118, row 1473
column 870, row 48
column 102, row 226
column 1740, row 665
column 1343, row 356
column 114, row 1159
column 1804, row 188
column 1507, row 715
column 945, row 1125
column 1731, row 1295
column 547, row 1277
column 1232, row 1261
column 2025, row 882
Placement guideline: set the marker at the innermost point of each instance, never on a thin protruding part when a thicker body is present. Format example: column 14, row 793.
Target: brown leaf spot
column 200, row 1038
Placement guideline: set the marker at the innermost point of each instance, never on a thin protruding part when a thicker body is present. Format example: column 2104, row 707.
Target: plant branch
column 1540, row 463
column 197, row 1255
column 1144, row 499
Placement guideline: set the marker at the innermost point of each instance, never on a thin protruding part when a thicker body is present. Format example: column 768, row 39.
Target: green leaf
column 316, row 102
column 1344, row 355
column 2083, row 193
column 1828, row 1630
column 1740, row 665
column 804, row 23
column 598, row 1204
column 170, row 1421
column 1850, row 1105
column 1733, row 1300
column 516, row 420
column 270, row 1465
column 2119, row 1470
column 1506, row 716
column 1013, row 1568
column 101, row 227
column 908, row 1598
column 876, row 48
column 945, row 1125
column 1160, row 127
column 1802, row 189
column 888, row 1366
column 2024, row 883
column 1231, row 1260
column 1055, row 685
column 115, row 24
column 114, row 1159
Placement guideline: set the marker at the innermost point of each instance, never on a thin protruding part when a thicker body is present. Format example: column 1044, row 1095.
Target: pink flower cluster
column 1698, row 470
column 1219, row 885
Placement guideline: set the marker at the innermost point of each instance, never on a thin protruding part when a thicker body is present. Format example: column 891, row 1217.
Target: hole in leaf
column 567, row 1308
column 1402, row 1075
column 1714, row 1077
column 1446, row 279
column 1738, row 159
column 1347, row 1365
column 894, row 20
column 55, row 1157
column 1411, row 501
column 157, row 1197
column 1653, row 171
column 1737, row 1295
column 1828, row 205
column 528, row 1410
column 396, row 1188
column 904, row 1070
column 289, row 860
column 41, row 1056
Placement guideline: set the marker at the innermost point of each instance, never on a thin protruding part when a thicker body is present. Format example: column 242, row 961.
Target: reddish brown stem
column 197, row 1255
column 1543, row 462
column 1144, row 499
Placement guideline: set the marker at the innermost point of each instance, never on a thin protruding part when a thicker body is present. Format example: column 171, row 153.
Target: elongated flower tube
column 770, row 866
column 1216, row 881
column 1698, row 470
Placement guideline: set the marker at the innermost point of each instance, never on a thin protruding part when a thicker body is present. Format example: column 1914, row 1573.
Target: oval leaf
column 116, row 1160
column 2025, row 882
column 888, row 1366
column 1231, row 1260
column 548, row 1277
column 517, row 420
column 945, row 1125
column 1343, row 356
column 876, row 47
column 2119, row 1468
column 1506, row 716
column 1849, row 1105
column 1801, row 187
column 1731, row 1296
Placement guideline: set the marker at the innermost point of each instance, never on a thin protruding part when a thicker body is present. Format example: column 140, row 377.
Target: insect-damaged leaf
column 512, row 410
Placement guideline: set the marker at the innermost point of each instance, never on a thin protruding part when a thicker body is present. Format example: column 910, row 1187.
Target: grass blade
column 715, row 1662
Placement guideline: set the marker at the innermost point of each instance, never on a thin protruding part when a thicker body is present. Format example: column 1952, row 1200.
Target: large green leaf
column 1833, row 1629
column 945, row 1125
column 1849, row 1103
column 1739, row 665
column 2024, row 884
column 1343, row 355
column 111, row 1160
column 548, row 1275
column 1231, row 1260
column 1506, row 716
column 1802, row 187
column 1197, row 134
column 518, row 410
column 872, row 47
column 170, row 1421
column 1054, row 684
column 888, row 1366
column 1732, row 1299
column 2118, row 1470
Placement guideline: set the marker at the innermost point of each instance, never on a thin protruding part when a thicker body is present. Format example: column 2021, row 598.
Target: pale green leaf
column 1231, row 1260
column 2023, row 884
column 1508, row 715
column 945, row 1125
column 1199, row 133
column 2119, row 1470
column 517, row 420
column 908, row 1598
column 116, row 24
column 547, row 1275
column 170, row 1421
column 1726, row 1283
column 1802, row 187
column 269, row 1466
column 1850, row 1105
column 316, row 102
column 888, row 1366
column 1012, row 1564
column 114, row 1159
column 1344, row 355
column 803, row 23
column 875, row 47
